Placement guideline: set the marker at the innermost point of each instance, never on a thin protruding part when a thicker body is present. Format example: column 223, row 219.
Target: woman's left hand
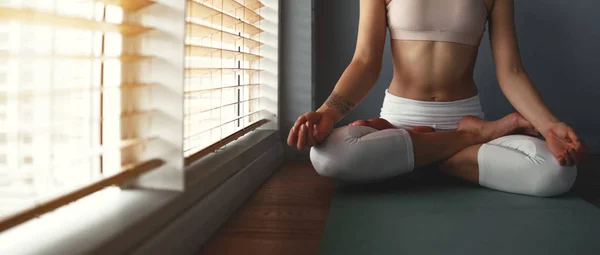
column 564, row 144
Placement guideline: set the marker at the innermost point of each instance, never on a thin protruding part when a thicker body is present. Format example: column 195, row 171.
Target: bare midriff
column 433, row 71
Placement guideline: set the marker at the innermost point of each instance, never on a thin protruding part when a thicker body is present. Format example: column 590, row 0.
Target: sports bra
column 458, row 21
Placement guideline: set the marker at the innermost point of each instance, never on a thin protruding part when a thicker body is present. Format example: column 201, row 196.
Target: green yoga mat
column 427, row 214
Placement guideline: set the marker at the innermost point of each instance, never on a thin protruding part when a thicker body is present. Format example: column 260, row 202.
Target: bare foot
column 382, row 124
column 360, row 123
column 530, row 132
column 422, row 129
column 486, row 131
column 377, row 123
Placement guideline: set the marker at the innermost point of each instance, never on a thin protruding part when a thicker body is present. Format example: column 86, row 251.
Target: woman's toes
column 380, row 124
column 360, row 123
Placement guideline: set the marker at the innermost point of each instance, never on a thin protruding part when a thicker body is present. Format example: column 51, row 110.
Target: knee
column 337, row 156
column 326, row 166
column 328, row 163
column 554, row 180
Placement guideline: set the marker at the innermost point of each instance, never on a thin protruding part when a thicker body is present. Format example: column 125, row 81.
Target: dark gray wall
column 296, row 79
column 558, row 41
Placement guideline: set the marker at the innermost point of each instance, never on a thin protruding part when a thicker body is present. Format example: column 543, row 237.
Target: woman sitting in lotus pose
column 431, row 112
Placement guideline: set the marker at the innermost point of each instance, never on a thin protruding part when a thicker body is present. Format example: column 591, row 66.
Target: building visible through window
column 49, row 85
column 27, row 139
column 3, row 76
column 3, row 35
column 26, row 76
column 3, row 160
column 27, row 160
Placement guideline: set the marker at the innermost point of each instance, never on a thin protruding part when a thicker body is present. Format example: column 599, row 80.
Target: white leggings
column 516, row 163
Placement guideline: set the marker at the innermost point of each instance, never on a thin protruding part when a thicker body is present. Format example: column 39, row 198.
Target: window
column 68, row 61
column 28, row 160
column 26, row 74
column 223, row 71
column 3, row 159
column 3, row 77
column 25, row 108
column 27, row 139
column 4, row 40
column 93, row 92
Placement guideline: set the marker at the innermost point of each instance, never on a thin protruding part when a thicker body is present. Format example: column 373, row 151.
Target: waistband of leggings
column 467, row 102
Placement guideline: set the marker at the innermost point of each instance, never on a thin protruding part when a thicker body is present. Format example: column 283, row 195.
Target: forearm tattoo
column 341, row 104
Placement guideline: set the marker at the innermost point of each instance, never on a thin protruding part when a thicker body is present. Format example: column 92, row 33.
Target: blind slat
column 203, row 51
column 217, row 17
column 128, row 5
column 224, row 71
column 123, row 58
column 215, row 146
column 23, row 93
column 73, row 120
column 199, row 30
column 204, row 90
column 49, row 19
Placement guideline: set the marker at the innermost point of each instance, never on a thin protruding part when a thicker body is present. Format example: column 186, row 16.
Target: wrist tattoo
column 341, row 104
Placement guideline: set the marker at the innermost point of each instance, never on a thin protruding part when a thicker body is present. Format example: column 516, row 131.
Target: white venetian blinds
column 222, row 71
column 69, row 96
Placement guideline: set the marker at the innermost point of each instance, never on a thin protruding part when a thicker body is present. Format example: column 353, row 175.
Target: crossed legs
column 479, row 151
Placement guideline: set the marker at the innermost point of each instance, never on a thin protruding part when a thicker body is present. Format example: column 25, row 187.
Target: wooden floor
column 285, row 216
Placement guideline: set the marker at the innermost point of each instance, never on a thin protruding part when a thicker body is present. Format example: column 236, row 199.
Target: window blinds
column 223, row 72
column 91, row 95
column 67, row 117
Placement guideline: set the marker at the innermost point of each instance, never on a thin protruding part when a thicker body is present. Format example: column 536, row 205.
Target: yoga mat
column 431, row 214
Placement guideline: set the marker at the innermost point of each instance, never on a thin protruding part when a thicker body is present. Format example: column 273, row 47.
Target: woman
column 431, row 113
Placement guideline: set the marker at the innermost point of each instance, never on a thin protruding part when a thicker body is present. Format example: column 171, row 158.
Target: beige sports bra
column 458, row 21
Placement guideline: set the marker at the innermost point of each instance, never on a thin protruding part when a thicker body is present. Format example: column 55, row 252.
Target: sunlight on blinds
column 65, row 114
column 223, row 70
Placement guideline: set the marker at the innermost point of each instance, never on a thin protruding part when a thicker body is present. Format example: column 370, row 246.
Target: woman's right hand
column 310, row 129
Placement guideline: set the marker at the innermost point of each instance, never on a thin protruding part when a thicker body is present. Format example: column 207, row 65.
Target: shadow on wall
column 557, row 41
